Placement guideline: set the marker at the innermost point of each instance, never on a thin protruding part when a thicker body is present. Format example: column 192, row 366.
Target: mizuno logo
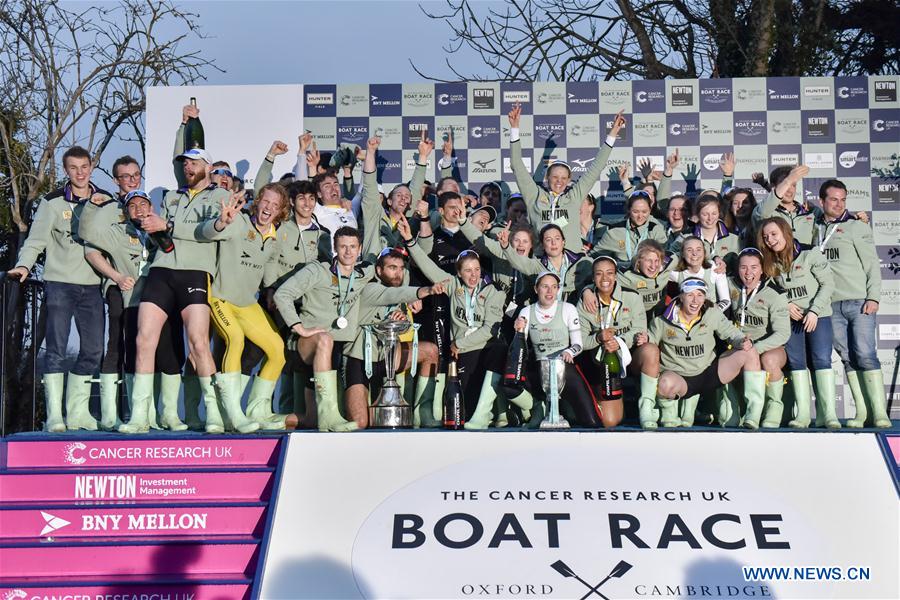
column 191, row 290
column 583, row 163
column 484, row 163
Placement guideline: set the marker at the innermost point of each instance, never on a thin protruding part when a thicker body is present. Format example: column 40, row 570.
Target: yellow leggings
column 236, row 323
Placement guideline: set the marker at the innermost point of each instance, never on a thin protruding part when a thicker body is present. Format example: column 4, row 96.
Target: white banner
column 582, row 515
column 240, row 122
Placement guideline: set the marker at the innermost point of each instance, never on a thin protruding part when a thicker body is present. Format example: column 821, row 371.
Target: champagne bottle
column 454, row 406
column 193, row 131
column 611, row 371
column 514, row 375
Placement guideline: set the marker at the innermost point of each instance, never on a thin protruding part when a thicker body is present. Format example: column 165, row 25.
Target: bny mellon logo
column 52, row 523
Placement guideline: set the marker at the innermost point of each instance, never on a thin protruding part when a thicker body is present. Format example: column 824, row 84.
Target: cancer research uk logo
column 649, row 96
column 15, row 594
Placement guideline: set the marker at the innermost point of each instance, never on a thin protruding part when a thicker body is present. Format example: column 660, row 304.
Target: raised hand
column 312, row 158
column 671, row 163
column 623, row 171
column 230, row 208
column 514, row 115
column 305, row 141
column 425, row 147
column 189, row 111
column 503, row 235
column 645, row 167
column 618, row 123
column 726, row 163
column 422, row 209
column 373, row 144
column 692, row 173
column 404, row 229
column 447, row 146
column 278, row 148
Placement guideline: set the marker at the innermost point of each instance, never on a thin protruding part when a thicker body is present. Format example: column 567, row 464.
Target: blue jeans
column 810, row 350
column 854, row 335
column 84, row 302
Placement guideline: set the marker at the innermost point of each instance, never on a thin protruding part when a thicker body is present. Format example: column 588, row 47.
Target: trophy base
column 390, row 417
column 561, row 424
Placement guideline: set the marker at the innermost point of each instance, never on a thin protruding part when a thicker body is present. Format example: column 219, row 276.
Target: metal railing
column 21, row 334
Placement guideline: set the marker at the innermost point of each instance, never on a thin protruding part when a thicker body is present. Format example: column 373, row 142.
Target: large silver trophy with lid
column 390, row 410
column 553, row 380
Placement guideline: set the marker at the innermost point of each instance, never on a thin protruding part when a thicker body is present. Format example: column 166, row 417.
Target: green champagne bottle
column 611, row 371
column 193, row 131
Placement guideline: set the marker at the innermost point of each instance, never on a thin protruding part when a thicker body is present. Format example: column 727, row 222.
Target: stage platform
column 441, row 514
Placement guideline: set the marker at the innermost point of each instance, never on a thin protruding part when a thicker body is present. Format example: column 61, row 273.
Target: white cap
column 195, row 154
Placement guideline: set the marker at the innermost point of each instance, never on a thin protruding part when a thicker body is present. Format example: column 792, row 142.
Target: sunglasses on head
column 225, row 172
column 397, row 250
column 466, row 253
column 136, row 194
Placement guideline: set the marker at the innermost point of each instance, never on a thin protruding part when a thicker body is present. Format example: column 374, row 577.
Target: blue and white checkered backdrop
column 845, row 127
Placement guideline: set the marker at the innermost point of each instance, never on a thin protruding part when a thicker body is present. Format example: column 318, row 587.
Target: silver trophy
column 553, row 379
column 390, row 410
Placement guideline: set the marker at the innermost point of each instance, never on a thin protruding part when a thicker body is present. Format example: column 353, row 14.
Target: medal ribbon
column 745, row 300
column 342, row 296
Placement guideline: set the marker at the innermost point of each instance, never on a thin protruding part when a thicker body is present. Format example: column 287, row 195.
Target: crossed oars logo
column 566, row 571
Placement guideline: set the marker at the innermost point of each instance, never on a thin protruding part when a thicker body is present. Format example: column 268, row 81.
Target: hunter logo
column 780, row 160
column 319, row 99
column 682, row 95
column 567, row 572
column 885, row 91
column 818, row 126
column 513, row 96
column 483, row 98
column 816, row 91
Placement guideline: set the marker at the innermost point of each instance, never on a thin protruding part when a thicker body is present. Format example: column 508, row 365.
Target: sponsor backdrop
column 552, row 516
column 848, row 127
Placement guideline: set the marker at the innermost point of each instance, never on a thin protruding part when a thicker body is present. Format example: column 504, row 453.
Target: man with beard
column 178, row 282
column 365, row 359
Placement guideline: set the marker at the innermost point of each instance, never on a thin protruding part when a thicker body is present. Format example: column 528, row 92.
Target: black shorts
column 705, row 381
column 355, row 372
column 174, row 290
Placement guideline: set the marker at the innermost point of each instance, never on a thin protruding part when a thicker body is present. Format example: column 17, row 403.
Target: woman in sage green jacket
column 808, row 283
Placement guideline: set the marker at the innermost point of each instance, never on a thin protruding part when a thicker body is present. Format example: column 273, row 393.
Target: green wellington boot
column 501, row 407
column 774, row 406
column 802, row 388
column 259, row 407
column 169, row 386
column 78, row 397
column 859, row 419
column 729, row 409
column 54, row 385
column 668, row 412
column 329, row 415
column 873, row 392
column 755, row 394
column 423, row 411
column 437, row 405
column 214, row 423
column 193, row 394
column 687, row 408
column 525, row 402
column 481, row 418
column 228, row 387
column 109, row 402
column 826, row 393
column 647, row 410
column 141, row 387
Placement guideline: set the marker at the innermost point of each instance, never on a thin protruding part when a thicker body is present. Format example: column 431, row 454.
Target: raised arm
column 372, row 210
column 524, row 179
column 264, row 173
column 584, row 184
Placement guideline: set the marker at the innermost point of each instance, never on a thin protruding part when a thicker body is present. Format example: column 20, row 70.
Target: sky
column 316, row 42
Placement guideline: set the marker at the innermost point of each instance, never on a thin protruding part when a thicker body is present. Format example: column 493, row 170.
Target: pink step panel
column 227, row 591
column 77, row 560
column 250, row 486
column 92, row 453
column 108, row 522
